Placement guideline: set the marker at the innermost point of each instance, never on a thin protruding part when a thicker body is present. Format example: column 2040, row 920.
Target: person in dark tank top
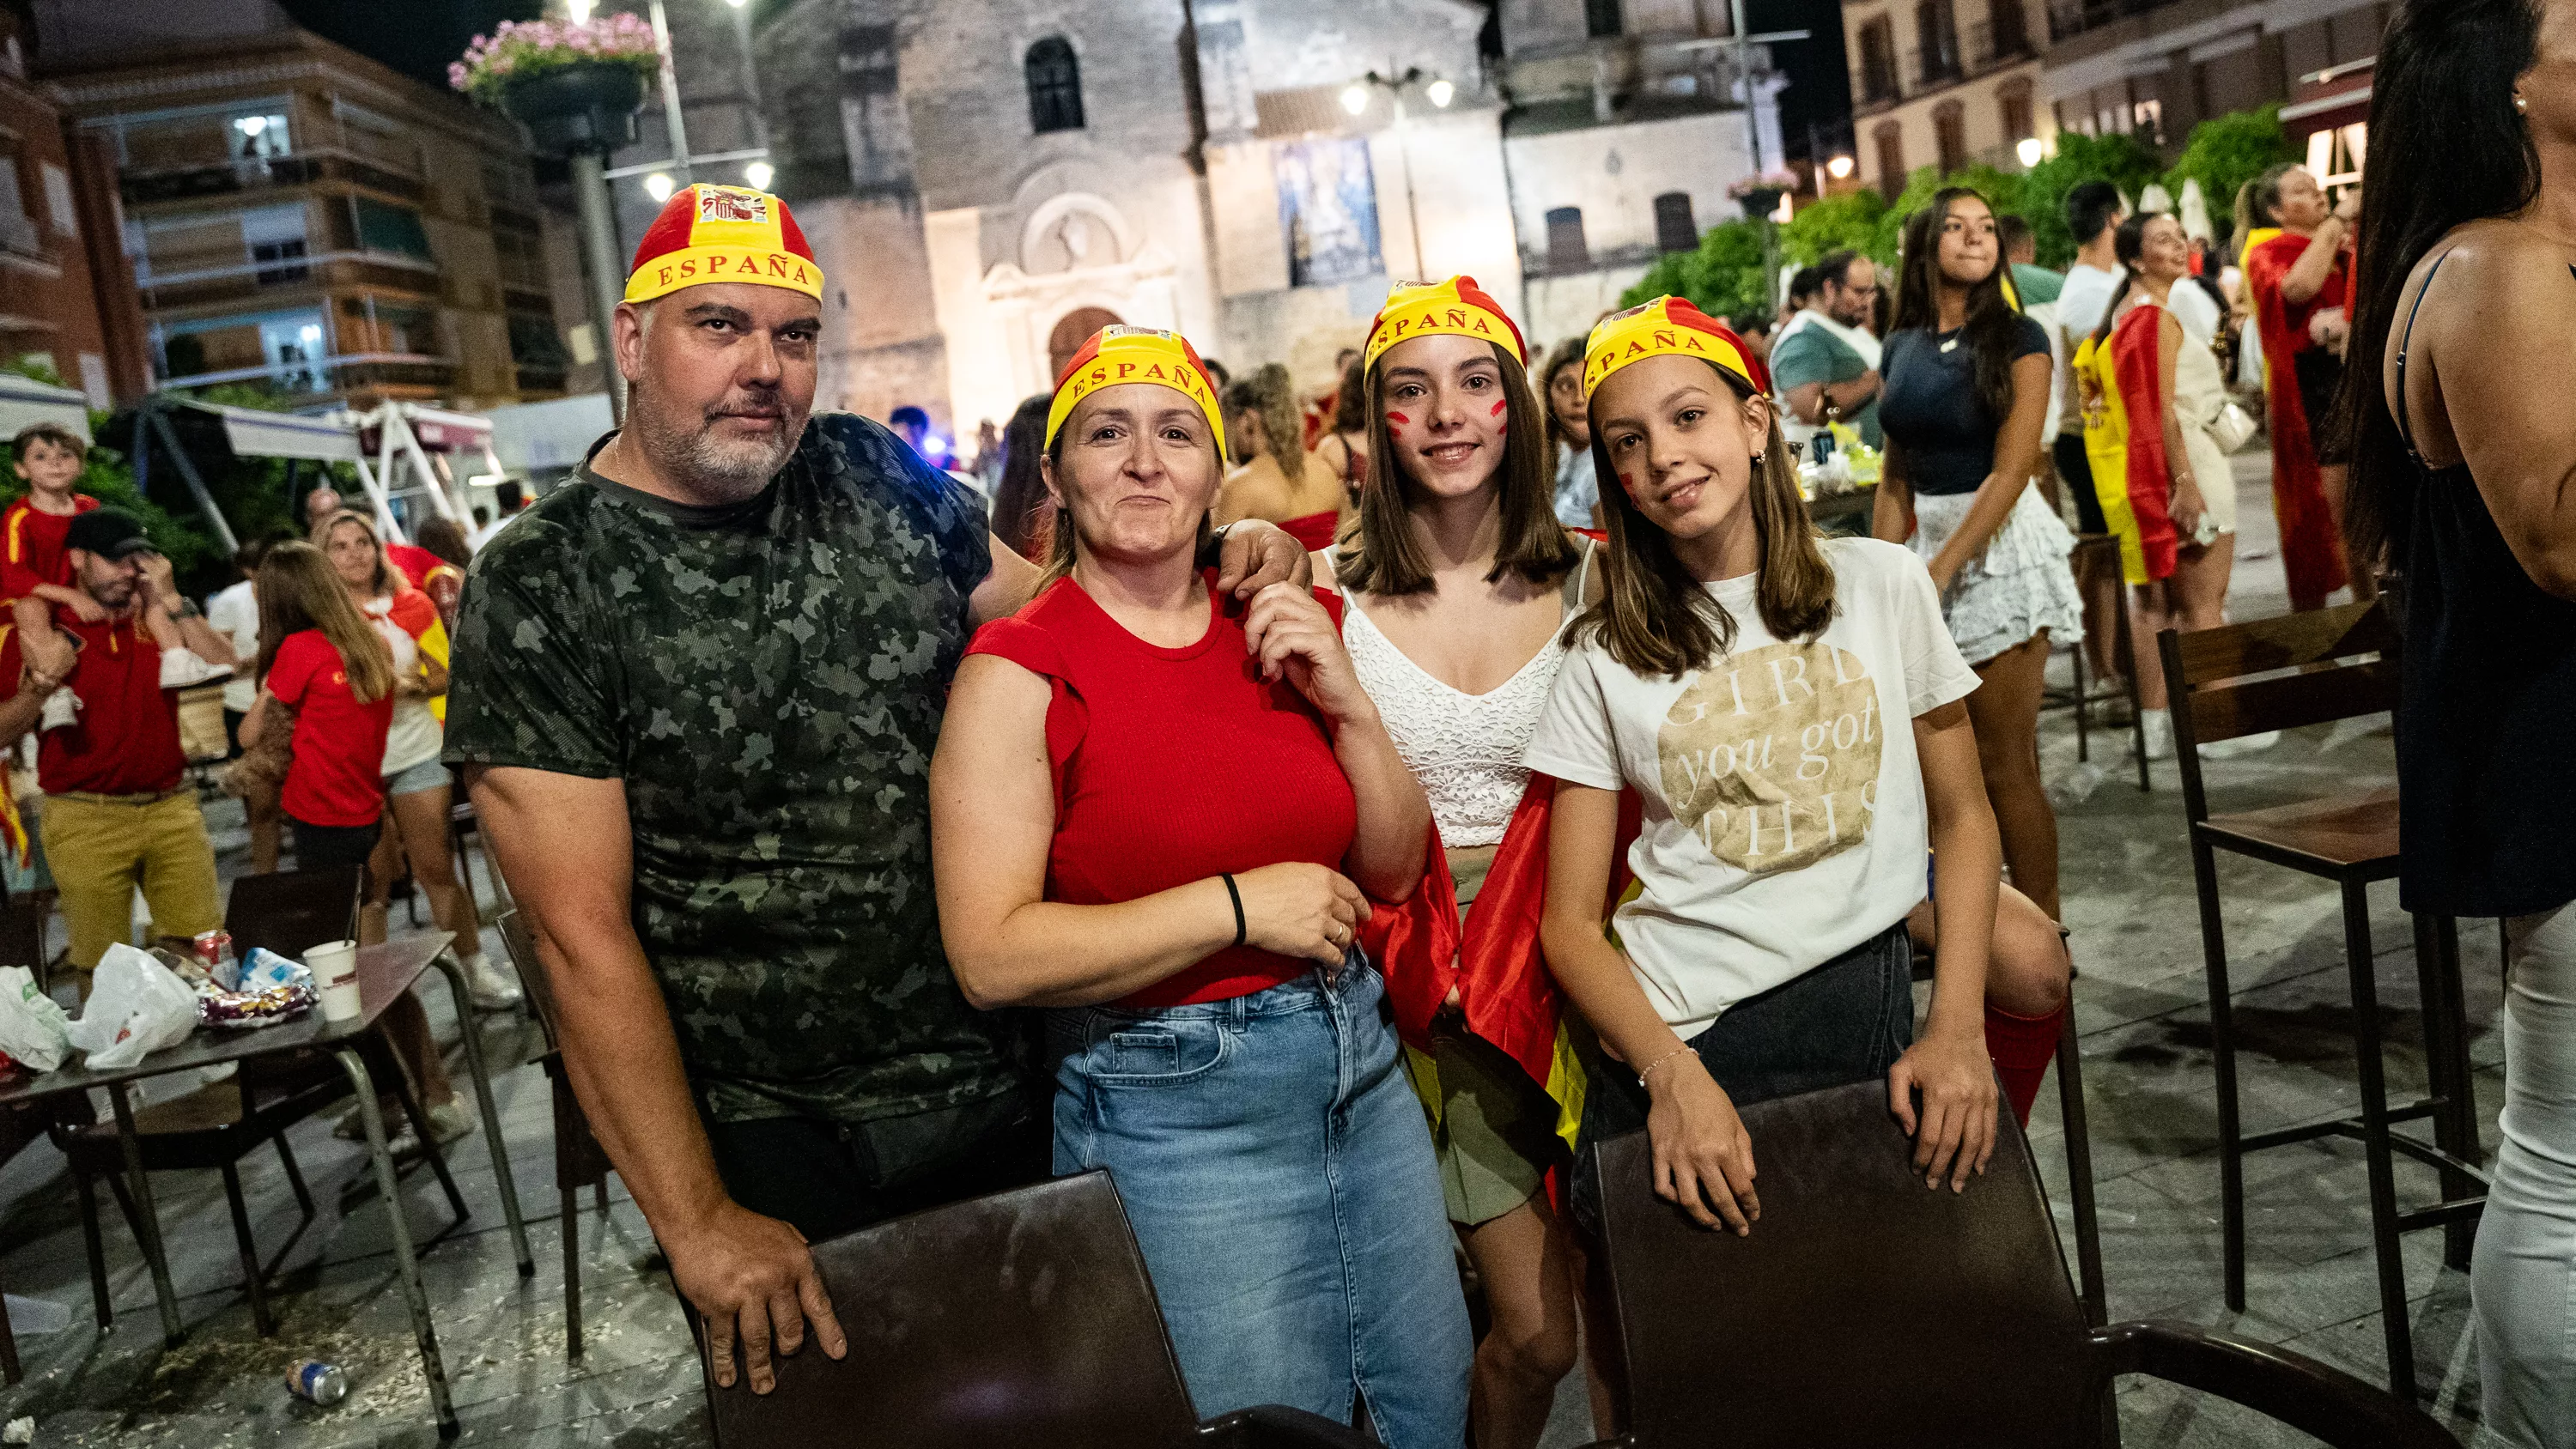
column 2461, row 459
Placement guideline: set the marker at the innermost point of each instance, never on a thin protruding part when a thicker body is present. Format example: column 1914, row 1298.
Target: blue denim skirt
column 1845, row 1021
column 1279, row 1176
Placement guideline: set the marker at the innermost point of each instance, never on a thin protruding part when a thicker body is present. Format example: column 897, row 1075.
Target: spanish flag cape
column 2136, row 363
column 2106, row 448
column 2311, row 554
column 1505, row 992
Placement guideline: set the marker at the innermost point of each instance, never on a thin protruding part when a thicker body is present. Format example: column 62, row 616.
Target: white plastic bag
column 137, row 1006
column 31, row 1025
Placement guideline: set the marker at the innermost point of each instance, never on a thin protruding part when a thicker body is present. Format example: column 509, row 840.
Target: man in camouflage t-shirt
column 696, row 690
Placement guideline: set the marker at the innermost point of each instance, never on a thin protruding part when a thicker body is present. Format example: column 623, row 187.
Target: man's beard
column 736, row 466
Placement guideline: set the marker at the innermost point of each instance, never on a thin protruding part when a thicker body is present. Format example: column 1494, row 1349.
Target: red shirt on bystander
column 126, row 739
column 339, row 742
column 31, row 546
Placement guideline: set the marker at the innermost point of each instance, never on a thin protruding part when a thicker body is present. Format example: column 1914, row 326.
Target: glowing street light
column 1355, row 98
column 758, row 174
column 2031, row 150
column 1440, row 93
column 580, row 10
column 658, row 186
column 1839, row 168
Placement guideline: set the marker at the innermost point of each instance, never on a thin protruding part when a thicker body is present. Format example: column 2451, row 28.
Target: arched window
column 1055, row 86
column 1950, row 136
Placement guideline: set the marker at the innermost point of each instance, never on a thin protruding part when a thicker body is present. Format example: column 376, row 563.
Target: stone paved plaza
column 2128, row 900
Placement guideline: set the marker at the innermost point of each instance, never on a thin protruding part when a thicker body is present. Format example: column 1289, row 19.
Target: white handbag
column 2233, row 428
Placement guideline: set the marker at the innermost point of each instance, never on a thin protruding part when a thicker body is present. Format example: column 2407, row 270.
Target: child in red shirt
column 35, row 571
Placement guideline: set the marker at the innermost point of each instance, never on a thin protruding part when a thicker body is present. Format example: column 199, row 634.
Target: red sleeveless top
column 1314, row 531
column 1174, row 765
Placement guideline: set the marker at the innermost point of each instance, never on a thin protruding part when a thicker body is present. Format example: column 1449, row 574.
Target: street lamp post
column 1439, row 91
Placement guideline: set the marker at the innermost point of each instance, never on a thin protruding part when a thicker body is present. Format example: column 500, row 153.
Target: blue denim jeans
column 1279, row 1176
column 1846, row 1021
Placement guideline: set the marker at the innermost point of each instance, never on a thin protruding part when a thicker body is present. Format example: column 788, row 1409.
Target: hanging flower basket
column 575, row 87
column 1760, row 193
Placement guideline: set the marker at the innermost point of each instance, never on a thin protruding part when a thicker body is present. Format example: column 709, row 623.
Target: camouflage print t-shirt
column 767, row 678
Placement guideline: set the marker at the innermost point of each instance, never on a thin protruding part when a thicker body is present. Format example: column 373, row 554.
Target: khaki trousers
column 101, row 847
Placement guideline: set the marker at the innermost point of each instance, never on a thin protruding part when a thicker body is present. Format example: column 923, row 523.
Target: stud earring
column 2521, row 104
column 1758, row 457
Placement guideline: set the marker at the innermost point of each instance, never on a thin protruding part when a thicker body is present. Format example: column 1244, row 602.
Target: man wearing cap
column 696, row 691
column 118, row 812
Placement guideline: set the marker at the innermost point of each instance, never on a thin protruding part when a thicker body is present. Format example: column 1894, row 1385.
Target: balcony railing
column 1998, row 42
column 228, row 178
column 325, row 376
column 1877, row 84
column 1935, row 65
column 2074, row 17
column 262, row 279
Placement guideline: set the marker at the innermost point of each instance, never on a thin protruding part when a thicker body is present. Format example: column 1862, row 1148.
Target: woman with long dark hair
column 1560, row 386
column 1344, row 446
column 2462, row 449
column 1966, row 394
column 1022, row 516
column 2297, row 279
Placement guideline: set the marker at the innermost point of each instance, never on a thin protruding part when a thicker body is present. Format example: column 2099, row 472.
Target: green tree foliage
column 2225, row 152
column 1723, row 278
column 1833, row 224
column 2124, row 161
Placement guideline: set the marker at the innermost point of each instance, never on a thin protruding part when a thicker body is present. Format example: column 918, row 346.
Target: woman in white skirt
column 1966, row 393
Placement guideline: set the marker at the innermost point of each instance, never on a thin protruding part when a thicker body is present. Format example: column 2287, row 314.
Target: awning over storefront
column 549, row 437
column 25, row 402
column 256, row 434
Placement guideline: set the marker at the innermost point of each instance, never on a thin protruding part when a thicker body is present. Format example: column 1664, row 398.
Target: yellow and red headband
column 1457, row 306
column 1116, row 355
column 1668, row 327
column 722, row 234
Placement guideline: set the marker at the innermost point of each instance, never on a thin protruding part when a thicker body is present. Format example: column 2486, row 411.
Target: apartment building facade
column 303, row 219
column 1943, row 83
column 2157, row 68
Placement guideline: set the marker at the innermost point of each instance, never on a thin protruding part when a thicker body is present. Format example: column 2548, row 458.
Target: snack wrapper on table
column 137, row 1006
column 270, row 989
column 31, row 1025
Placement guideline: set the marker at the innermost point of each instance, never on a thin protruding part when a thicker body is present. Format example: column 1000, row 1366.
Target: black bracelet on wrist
column 1235, row 896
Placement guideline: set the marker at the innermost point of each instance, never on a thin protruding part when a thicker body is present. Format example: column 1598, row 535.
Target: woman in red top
column 2298, row 282
column 320, row 658
column 1162, row 813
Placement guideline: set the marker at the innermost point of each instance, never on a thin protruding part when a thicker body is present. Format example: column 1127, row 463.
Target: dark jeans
column 1847, row 1020
column 232, row 732
column 823, row 1178
column 2320, row 376
column 317, row 846
column 2075, row 474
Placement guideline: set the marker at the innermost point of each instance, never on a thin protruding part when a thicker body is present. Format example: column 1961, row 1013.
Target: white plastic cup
column 334, row 965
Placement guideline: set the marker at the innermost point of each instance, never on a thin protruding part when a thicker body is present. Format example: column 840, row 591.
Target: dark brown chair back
column 521, row 943
column 1021, row 1318
column 2275, row 674
column 1864, row 1310
column 292, row 911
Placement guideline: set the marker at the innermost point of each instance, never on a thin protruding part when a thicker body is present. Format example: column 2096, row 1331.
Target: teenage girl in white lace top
column 1456, row 583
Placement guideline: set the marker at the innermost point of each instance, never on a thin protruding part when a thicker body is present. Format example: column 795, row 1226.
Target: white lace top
column 1465, row 748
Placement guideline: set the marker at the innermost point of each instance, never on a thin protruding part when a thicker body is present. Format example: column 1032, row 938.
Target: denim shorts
column 1845, row 1021
column 1279, row 1176
column 429, row 774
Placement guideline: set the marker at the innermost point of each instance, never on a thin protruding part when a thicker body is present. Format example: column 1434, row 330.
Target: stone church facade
column 987, row 181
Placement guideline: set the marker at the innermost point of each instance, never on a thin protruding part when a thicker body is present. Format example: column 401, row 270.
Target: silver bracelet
column 1659, row 1061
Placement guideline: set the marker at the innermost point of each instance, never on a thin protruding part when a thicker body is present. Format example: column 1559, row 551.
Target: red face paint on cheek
column 1397, row 420
column 1499, row 406
column 1628, row 486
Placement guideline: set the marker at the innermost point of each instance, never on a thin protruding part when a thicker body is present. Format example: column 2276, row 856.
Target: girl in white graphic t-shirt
column 1789, row 712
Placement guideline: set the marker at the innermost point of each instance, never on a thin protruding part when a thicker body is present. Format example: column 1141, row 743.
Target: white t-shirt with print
column 1784, row 820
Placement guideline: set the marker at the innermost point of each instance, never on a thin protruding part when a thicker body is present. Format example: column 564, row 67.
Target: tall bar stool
column 2304, row 669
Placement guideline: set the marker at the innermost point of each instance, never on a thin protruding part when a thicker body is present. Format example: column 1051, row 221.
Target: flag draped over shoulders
column 2137, row 366
column 2311, row 554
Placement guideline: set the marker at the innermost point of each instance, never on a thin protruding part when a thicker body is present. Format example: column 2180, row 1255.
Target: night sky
column 431, row 32
column 1819, row 92
column 434, row 32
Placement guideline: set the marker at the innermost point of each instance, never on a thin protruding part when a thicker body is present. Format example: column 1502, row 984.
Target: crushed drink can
column 214, row 951
column 318, row 1382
